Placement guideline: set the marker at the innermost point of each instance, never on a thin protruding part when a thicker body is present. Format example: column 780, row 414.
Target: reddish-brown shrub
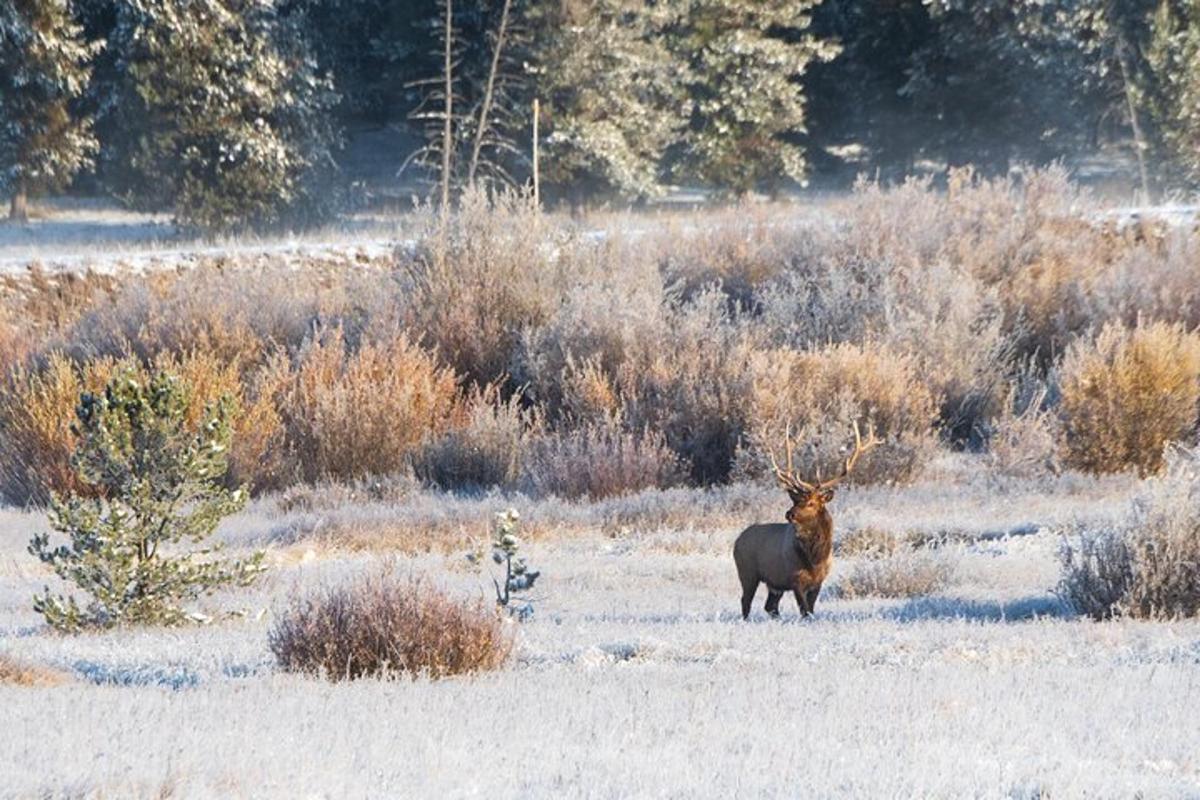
column 37, row 408
column 384, row 626
column 352, row 414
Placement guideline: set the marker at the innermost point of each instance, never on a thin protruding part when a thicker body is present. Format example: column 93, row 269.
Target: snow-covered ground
column 79, row 235
column 636, row 677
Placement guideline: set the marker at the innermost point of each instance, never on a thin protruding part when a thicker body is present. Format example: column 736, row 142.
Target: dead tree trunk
column 1139, row 139
column 485, row 109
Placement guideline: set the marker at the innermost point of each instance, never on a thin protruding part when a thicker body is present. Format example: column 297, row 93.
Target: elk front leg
column 802, row 602
column 811, row 597
column 772, row 606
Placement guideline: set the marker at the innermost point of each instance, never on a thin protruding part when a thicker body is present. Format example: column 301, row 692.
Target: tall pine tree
column 746, row 59
column 612, row 95
column 44, row 71
column 225, row 112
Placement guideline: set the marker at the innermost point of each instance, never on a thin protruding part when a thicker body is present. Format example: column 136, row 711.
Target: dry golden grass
column 14, row 672
column 385, row 626
column 1127, row 393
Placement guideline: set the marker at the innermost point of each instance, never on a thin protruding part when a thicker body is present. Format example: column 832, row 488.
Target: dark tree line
column 232, row 112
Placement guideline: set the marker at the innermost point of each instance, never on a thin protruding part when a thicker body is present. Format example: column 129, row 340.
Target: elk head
column 809, row 497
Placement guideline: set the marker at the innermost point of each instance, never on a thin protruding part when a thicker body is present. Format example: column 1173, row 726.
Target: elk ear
column 827, row 495
column 798, row 497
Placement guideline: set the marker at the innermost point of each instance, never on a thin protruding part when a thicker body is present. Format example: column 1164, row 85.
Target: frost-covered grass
column 636, row 676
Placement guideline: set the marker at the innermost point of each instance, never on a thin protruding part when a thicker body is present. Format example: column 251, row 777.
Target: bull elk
column 795, row 555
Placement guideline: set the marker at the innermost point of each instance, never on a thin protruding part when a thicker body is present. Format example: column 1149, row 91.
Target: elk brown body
column 793, row 556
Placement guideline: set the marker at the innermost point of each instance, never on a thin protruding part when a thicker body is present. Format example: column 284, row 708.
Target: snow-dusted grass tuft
column 905, row 572
column 1146, row 564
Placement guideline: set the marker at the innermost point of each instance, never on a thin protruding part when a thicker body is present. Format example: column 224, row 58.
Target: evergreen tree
column 612, row 94
column 1173, row 57
column 746, row 59
column 225, row 114
column 44, row 71
column 158, row 484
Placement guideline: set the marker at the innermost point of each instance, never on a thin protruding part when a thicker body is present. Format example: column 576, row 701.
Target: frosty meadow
column 1007, row 602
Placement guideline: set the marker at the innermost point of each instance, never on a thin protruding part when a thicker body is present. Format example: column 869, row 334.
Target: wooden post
column 537, row 201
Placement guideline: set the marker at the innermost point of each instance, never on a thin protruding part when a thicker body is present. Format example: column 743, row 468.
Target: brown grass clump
column 1127, row 393
column 1146, row 565
column 598, row 460
column 14, row 672
column 348, row 415
column 821, row 394
column 384, row 626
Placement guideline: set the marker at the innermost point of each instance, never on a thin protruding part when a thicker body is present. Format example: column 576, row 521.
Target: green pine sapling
column 157, row 484
column 518, row 577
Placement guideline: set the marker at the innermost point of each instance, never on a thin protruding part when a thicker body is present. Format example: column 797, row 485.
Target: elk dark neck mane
column 814, row 535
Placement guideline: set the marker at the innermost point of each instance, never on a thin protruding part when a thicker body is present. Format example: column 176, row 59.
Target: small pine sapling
column 157, row 483
column 518, row 577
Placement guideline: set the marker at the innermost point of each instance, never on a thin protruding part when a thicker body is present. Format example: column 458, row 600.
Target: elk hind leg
column 749, row 587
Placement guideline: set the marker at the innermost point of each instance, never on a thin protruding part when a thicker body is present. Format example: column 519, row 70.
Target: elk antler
column 859, row 449
column 788, row 479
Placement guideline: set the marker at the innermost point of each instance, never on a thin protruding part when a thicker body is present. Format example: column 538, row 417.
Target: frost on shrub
column 1022, row 440
column 1127, row 394
column 475, row 281
column 695, row 386
column 384, row 626
column 484, row 447
column 158, row 485
column 902, row 572
column 821, row 394
column 598, row 460
column 518, row 578
column 1147, row 564
column 349, row 413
